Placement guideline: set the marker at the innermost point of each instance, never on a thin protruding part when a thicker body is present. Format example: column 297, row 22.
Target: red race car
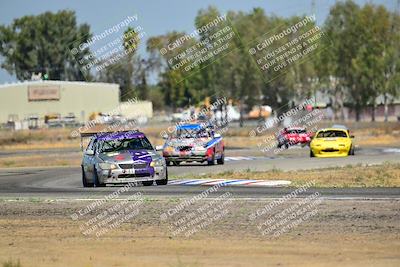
column 293, row 136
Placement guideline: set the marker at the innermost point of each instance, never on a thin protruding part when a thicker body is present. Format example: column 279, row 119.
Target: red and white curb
column 245, row 158
column 227, row 182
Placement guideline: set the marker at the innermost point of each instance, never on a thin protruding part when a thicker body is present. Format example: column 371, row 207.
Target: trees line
column 361, row 60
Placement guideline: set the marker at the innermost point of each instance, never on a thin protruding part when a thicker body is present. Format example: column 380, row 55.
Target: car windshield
column 331, row 133
column 191, row 133
column 124, row 144
column 296, row 131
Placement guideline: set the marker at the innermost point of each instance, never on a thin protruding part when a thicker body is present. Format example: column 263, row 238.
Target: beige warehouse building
column 19, row 101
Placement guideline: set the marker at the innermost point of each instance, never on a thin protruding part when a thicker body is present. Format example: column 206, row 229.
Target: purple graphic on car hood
column 140, row 155
column 143, row 156
column 141, row 160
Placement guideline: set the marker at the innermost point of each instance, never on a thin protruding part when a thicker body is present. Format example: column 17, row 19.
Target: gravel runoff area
column 222, row 231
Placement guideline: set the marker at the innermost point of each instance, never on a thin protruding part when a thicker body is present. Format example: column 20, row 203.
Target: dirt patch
column 342, row 233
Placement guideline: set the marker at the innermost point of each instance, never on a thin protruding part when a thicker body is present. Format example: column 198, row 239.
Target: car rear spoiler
column 91, row 134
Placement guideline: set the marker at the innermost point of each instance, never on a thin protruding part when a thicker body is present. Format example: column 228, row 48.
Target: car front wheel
column 212, row 160
column 96, row 179
column 351, row 151
column 147, row 183
column 222, row 159
column 85, row 183
column 163, row 181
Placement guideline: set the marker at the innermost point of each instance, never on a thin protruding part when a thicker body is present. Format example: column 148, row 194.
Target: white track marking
column 391, row 150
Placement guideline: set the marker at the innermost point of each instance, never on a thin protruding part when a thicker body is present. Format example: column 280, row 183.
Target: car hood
column 297, row 135
column 331, row 140
column 193, row 142
column 129, row 156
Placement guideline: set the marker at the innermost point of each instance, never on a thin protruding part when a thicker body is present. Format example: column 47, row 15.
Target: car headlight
column 107, row 166
column 156, row 163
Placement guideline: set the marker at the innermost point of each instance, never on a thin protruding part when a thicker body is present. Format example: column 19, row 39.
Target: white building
column 19, row 101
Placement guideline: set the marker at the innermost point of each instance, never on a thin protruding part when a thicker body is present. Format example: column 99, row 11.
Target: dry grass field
column 386, row 175
column 351, row 233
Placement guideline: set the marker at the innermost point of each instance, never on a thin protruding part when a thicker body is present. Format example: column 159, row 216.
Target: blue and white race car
column 194, row 143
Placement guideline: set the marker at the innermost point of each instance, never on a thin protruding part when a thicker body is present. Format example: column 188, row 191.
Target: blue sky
column 157, row 16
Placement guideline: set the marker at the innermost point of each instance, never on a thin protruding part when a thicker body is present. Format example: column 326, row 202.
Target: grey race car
column 122, row 157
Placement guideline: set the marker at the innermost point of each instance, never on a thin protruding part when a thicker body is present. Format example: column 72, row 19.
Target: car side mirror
column 89, row 152
column 217, row 135
column 159, row 148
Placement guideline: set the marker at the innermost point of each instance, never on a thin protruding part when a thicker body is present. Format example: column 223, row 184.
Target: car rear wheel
column 163, row 181
column 147, row 183
column 85, row 183
column 311, row 154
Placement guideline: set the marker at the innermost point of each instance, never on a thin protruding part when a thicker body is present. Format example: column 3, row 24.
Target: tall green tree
column 343, row 29
column 179, row 88
column 375, row 34
column 358, row 60
column 42, row 43
column 391, row 62
column 127, row 71
column 362, row 59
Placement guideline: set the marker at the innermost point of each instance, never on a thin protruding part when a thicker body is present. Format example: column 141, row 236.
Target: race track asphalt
column 65, row 182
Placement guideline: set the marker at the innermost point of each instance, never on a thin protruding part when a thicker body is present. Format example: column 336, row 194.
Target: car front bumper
column 120, row 176
column 295, row 141
column 327, row 152
column 188, row 156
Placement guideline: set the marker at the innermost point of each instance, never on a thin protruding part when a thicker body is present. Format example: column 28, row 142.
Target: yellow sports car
column 332, row 142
